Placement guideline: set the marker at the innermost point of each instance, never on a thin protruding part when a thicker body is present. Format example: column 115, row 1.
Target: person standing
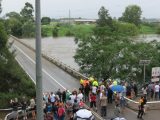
column 135, row 89
column 24, row 107
column 93, row 101
column 103, row 104
column 110, row 95
column 33, row 108
column 61, row 112
column 156, row 89
column 144, row 90
column 141, row 108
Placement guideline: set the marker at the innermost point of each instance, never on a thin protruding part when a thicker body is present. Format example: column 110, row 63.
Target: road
column 55, row 78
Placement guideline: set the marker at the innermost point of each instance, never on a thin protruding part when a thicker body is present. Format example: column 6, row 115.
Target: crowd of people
column 64, row 104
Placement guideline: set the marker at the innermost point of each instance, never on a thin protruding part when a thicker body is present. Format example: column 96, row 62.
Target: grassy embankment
column 144, row 29
column 87, row 28
column 63, row 29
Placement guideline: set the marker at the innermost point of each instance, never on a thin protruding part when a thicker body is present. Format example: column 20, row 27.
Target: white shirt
column 144, row 91
column 102, row 87
column 53, row 98
column 73, row 97
column 94, row 89
column 79, row 97
column 156, row 88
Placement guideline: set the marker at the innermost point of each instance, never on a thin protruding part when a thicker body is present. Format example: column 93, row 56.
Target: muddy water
column 64, row 48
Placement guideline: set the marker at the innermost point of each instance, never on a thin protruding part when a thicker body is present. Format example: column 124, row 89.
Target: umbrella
column 118, row 118
column 84, row 114
column 117, row 88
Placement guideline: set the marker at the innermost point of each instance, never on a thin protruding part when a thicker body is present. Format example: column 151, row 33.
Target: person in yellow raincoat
column 95, row 83
column 91, row 79
column 81, row 81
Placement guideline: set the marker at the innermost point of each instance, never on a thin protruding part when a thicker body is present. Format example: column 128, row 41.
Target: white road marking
column 25, row 71
column 42, row 68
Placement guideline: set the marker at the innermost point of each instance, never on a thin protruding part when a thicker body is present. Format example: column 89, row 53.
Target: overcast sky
column 84, row 8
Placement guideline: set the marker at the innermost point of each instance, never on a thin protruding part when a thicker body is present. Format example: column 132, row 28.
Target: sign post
column 144, row 63
column 155, row 74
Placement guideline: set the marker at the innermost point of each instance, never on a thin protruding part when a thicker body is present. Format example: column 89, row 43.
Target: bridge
column 56, row 76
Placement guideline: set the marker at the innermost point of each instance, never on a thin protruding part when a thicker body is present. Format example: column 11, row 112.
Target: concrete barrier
column 55, row 61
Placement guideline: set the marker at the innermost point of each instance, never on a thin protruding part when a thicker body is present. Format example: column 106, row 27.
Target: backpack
column 61, row 112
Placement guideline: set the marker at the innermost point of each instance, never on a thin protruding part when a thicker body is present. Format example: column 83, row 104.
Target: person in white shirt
column 94, row 89
column 79, row 96
column 144, row 90
column 156, row 89
column 52, row 98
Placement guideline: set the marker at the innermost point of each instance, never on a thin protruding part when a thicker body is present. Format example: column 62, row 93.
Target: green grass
column 64, row 29
column 147, row 29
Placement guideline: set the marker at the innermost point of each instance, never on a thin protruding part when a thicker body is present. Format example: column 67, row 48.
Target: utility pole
column 39, row 96
column 69, row 17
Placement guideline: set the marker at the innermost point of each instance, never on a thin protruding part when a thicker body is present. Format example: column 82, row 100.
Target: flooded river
column 64, row 48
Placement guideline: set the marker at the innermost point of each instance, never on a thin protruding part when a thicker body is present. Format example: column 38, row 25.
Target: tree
column 132, row 14
column 45, row 20
column 104, row 18
column 28, row 29
column 27, row 12
column 111, row 54
column 14, row 15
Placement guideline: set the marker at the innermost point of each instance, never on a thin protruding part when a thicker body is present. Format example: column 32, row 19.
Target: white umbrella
column 83, row 113
column 118, row 118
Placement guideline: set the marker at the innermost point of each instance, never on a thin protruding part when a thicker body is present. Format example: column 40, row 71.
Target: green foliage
column 45, row 20
column 3, row 38
column 15, row 27
column 125, row 29
column 13, row 24
column 28, row 29
column 148, row 29
column 55, row 32
column 27, row 12
column 13, row 79
column 132, row 14
column 158, row 30
column 104, row 18
column 111, row 52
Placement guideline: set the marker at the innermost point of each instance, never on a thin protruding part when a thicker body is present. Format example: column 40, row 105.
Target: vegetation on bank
column 23, row 24
column 14, row 81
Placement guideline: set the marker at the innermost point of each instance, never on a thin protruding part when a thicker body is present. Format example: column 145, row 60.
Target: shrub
column 55, row 32
column 158, row 30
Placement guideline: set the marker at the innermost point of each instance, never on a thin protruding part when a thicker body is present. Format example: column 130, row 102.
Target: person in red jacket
column 93, row 101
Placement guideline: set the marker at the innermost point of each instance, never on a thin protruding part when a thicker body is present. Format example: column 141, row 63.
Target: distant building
column 151, row 20
column 85, row 21
column 77, row 21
